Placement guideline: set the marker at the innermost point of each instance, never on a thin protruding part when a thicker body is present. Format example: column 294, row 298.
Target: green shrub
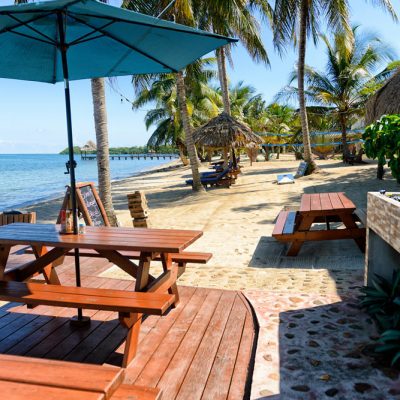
column 389, row 342
column 382, row 302
column 382, row 142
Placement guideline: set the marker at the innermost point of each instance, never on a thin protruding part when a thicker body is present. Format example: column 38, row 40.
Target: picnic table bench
column 24, row 378
column 294, row 227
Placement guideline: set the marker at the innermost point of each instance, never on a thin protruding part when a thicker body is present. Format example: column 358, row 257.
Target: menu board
column 89, row 204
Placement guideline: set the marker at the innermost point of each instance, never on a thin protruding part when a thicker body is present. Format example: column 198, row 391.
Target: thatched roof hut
column 89, row 146
column 385, row 101
column 224, row 131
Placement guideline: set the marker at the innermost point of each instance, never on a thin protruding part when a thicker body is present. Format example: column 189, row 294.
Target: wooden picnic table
column 295, row 226
column 50, row 248
column 108, row 242
column 24, row 378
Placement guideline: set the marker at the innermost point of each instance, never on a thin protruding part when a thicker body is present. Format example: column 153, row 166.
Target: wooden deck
column 203, row 349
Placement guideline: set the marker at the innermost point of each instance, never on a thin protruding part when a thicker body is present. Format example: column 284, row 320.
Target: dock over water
column 150, row 156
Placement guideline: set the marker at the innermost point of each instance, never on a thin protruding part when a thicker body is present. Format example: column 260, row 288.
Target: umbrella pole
column 79, row 319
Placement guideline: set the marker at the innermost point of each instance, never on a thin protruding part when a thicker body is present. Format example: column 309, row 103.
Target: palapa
column 385, row 101
column 225, row 131
column 89, row 146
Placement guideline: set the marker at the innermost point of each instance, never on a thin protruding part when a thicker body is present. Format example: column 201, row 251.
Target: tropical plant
column 348, row 79
column 382, row 142
column 102, row 145
column 203, row 102
column 233, row 18
column 382, row 301
column 293, row 22
column 389, row 342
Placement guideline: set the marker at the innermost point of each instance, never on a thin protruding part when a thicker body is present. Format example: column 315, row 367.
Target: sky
column 32, row 115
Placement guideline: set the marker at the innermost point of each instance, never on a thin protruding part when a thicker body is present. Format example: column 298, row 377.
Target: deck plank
column 196, row 378
column 159, row 361
column 219, row 381
column 176, row 371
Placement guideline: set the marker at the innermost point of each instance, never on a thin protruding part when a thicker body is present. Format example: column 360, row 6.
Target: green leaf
column 395, row 359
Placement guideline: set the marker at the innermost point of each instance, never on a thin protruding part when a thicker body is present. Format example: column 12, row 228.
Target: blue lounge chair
column 217, row 179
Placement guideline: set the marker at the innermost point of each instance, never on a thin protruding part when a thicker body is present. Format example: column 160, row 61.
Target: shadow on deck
column 203, row 349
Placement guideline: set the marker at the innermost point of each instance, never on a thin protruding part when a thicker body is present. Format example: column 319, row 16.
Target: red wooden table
column 295, row 226
column 107, row 242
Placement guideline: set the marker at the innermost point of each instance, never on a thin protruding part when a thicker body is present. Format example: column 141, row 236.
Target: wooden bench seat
column 133, row 392
column 180, row 258
column 129, row 305
column 285, row 223
column 361, row 214
column 24, row 378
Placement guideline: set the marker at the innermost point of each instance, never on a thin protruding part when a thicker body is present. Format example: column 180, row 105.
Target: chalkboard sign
column 89, row 204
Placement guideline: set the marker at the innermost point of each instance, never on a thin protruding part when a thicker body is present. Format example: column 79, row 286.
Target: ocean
column 26, row 179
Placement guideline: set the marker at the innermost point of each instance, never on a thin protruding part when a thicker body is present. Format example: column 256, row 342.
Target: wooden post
column 138, row 208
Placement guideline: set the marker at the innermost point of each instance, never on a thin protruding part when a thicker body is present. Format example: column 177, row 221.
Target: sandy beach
column 234, row 220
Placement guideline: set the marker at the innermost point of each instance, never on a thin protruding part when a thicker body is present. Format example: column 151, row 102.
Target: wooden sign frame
column 81, row 203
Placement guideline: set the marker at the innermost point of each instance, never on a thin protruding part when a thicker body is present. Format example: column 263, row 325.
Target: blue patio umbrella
column 67, row 40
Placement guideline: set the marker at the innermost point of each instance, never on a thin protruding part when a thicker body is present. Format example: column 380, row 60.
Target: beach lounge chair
column 214, row 179
column 289, row 178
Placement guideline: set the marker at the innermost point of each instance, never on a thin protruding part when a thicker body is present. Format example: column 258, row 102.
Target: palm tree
column 203, row 102
column 233, row 18
column 348, row 79
column 294, row 21
column 103, row 152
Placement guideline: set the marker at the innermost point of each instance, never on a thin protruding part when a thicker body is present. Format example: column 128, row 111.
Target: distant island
column 129, row 150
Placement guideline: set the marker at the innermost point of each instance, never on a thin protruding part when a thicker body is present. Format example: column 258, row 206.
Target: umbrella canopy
column 101, row 41
column 385, row 101
column 225, row 131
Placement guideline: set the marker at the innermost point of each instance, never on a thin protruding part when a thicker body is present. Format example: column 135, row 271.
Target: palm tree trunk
column 302, row 101
column 223, row 79
column 103, row 158
column 182, row 155
column 343, row 128
column 191, row 148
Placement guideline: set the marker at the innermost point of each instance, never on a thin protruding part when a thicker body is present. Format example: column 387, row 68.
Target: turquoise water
column 28, row 178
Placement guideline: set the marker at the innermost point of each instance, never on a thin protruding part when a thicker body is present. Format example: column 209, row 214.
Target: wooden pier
column 150, row 156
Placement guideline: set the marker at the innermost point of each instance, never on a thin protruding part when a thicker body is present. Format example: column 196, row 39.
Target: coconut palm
column 233, row 18
column 102, row 144
column 293, row 22
column 203, row 102
column 349, row 76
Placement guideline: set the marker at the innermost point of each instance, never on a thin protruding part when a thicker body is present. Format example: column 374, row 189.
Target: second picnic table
column 294, row 227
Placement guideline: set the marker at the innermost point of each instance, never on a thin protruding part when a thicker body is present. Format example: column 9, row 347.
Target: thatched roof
column 385, row 101
column 89, row 146
column 225, row 131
